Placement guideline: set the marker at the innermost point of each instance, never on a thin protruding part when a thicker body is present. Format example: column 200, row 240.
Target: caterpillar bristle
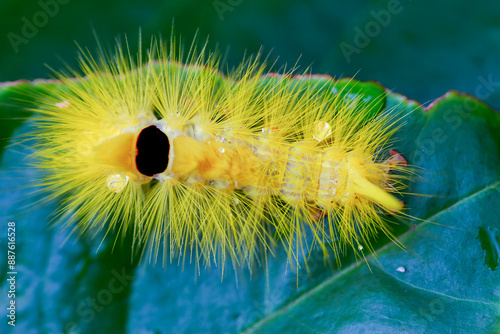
column 206, row 166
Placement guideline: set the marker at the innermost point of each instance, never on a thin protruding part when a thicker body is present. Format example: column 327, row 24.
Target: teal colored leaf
column 445, row 281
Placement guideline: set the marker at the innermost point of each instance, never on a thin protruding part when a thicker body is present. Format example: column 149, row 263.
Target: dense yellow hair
column 253, row 160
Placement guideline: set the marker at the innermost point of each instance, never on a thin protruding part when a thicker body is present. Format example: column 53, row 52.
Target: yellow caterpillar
column 208, row 166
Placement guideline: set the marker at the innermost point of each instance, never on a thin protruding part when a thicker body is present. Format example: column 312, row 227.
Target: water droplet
column 266, row 131
column 219, row 138
column 222, row 149
column 321, row 130
column 401, row 269
column 360, row 247
column 117, row 182
column 236, row 201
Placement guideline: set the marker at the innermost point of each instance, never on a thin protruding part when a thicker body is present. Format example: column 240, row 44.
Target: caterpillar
column 196, row 163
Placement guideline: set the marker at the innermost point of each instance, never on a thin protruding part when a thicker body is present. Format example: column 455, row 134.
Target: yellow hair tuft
column 205, row 167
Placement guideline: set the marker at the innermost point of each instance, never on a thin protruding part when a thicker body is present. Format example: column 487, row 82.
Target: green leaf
column 446, row 280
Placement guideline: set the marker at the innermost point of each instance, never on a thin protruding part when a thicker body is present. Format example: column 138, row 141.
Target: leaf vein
column 431, row 291
column 288, row 305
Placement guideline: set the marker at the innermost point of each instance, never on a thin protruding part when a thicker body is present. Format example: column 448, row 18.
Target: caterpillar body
column 210, row 166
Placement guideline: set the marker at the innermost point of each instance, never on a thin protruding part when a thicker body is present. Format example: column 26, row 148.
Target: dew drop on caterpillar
column 206, row 165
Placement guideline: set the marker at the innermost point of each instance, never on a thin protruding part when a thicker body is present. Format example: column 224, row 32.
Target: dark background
column 421, row 50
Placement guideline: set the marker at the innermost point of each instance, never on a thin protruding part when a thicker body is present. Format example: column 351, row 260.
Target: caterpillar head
column 145, row 151
column 137, row 154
